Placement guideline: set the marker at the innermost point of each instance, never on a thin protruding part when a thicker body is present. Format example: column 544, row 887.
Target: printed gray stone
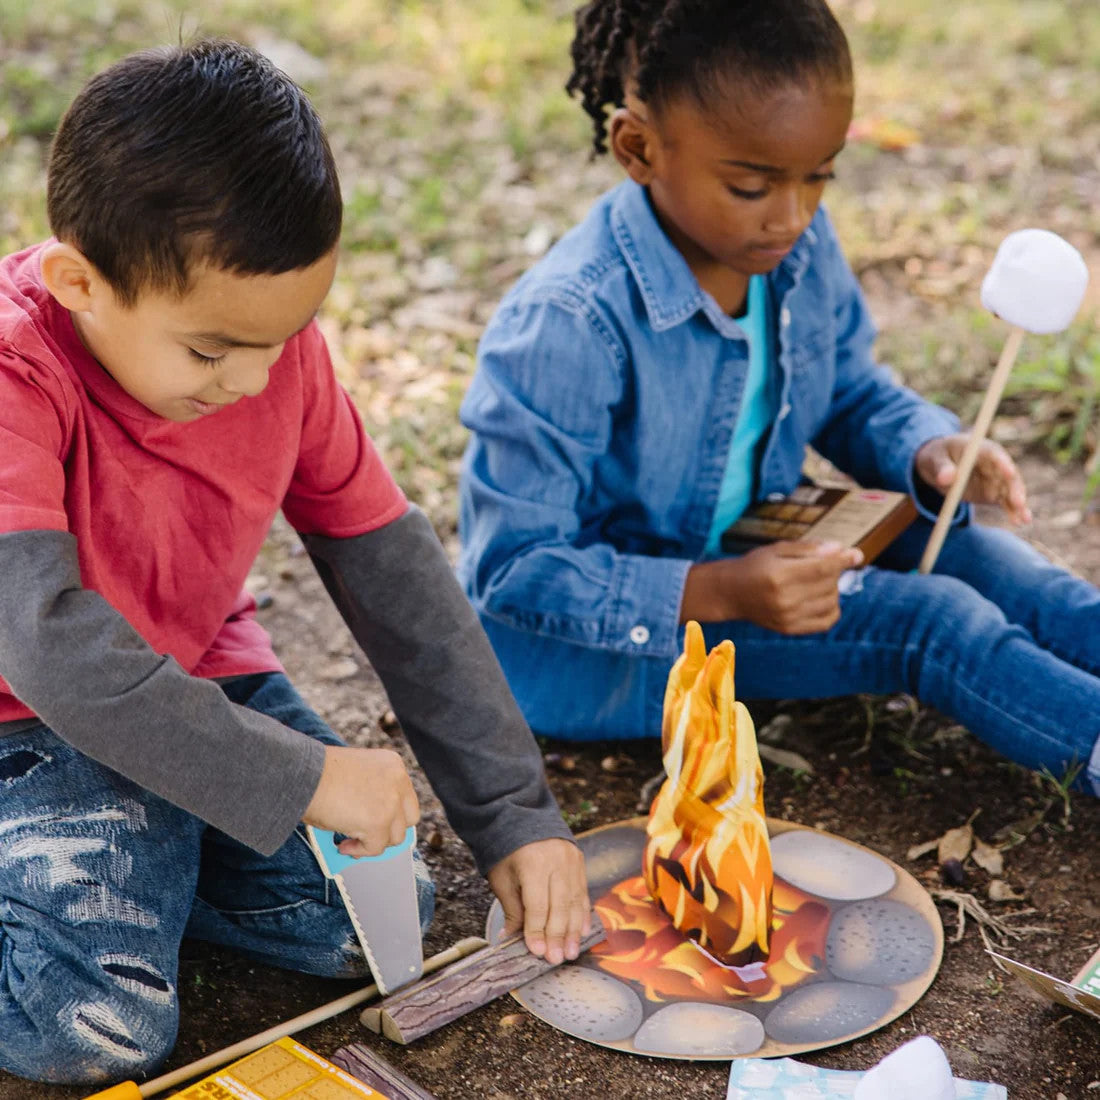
column 828, row 868
column 612, row 855
column 691, row 1027
column 879, row 942
column 586, row 1003
column 826, row 1011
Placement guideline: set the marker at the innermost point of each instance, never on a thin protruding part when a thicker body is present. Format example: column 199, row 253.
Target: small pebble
column 388, row 721
column 513, row 1019
column 435, row 840
column 343, row 669
column 561, row 763
column 953, row 872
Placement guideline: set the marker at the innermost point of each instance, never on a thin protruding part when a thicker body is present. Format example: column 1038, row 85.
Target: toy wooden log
column 476, row 980
column 372, row 1069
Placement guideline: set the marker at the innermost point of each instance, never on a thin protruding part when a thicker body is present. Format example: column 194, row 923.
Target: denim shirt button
column 785, row 412
column 639, row 634
column 784, row 316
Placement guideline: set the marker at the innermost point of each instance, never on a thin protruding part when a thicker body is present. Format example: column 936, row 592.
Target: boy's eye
column 209, row 360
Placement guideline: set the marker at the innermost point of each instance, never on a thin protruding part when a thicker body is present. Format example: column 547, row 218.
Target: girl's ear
column 632, row 141
column 69, row 276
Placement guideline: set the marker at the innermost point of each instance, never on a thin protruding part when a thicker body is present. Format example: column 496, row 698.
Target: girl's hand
column 994, row 479
column 788, row 587
column 367, row 794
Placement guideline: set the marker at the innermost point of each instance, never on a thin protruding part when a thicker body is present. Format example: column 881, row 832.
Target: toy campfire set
column 727, row 933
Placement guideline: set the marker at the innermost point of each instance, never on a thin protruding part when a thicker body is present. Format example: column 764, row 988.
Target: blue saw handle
column 334, row 861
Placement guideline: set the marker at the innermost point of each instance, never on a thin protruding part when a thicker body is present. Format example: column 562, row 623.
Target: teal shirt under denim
column 754, row 418
column 607, row 391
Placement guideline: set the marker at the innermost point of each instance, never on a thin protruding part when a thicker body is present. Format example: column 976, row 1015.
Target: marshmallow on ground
column 1037, row 281
column 918, row 1070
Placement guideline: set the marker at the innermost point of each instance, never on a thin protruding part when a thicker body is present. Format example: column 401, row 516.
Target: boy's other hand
column 367, row 794
column 543, row 890
column 788, row 587
column 994, row 480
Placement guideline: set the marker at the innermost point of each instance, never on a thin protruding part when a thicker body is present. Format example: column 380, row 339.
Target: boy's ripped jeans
column 99, row 882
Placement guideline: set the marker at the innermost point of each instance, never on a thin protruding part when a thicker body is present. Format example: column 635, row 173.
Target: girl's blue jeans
column 997, row 637
column 99, row 882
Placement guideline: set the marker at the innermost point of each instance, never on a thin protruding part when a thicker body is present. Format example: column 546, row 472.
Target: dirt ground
column 885, row 774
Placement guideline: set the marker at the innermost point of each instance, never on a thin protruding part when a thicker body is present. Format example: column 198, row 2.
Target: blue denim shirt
column 605, row 398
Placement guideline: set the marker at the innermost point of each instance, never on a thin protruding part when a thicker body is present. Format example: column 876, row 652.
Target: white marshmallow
column 1037, row 281
column 919, row 1070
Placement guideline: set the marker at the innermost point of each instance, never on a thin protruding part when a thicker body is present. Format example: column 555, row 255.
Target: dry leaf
column 999, row 890
column 786, row 759
column 919, row 850
column 988, row 858
column 955, row 844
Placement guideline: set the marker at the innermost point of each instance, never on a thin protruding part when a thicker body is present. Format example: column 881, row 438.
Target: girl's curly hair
column 666, row 48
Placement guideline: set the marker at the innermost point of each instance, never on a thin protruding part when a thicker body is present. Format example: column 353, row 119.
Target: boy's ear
column 69, row 276
column 631, row 141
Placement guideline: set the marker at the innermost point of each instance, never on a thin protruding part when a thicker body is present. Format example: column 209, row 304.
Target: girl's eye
column 209, row 360
column 742, row 193
column 822, row 177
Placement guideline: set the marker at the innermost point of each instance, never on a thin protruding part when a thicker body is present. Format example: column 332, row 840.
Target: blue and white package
column 787, row 1079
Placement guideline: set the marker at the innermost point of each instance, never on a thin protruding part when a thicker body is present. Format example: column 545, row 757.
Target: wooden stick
column 475, row 981
column 368, row 1066
column 307, row 1019
column 970, row 454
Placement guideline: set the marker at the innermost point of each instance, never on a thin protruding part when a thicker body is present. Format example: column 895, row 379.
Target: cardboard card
column 283, row 1070
column 1081, row 995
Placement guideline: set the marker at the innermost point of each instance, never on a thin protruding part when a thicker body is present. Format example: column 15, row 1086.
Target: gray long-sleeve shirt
column 79, row 665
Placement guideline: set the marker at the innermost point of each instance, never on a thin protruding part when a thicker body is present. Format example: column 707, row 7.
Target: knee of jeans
column 92, row 1040
column 1092, row 769
column 952, row 616
column 425, row 892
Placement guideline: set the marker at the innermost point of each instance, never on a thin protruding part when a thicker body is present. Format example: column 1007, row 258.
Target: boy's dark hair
column 190, row 154
column 668, row 48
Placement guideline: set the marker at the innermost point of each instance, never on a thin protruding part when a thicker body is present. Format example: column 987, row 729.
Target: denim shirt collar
column 669, row 289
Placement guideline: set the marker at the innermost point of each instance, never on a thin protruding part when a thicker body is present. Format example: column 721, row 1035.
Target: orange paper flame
column 707, row 862
column 642, row 946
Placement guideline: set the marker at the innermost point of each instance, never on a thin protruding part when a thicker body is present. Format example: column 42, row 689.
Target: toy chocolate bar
column 869, row 519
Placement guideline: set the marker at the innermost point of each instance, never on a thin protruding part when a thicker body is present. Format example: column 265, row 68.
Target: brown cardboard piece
column 1082, row 993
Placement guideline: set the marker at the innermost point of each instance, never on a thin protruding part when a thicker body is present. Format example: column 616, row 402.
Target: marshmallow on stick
column 1037, row 283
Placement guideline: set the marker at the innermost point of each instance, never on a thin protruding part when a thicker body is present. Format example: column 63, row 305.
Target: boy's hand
column 367, row 794
column 788, row 587
column 543, row 890
column 994, row 480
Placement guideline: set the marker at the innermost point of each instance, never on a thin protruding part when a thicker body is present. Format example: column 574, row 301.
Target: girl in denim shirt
column 668, row 362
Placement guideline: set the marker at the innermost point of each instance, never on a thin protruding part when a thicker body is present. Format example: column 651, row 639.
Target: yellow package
column 283, row 1070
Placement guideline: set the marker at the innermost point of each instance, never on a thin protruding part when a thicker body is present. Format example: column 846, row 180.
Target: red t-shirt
column 169, row 517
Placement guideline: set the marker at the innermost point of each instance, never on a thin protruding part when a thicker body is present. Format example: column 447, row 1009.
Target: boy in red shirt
column 163, row 392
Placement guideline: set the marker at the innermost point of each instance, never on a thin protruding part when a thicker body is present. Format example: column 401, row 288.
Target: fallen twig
column 987, row 922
